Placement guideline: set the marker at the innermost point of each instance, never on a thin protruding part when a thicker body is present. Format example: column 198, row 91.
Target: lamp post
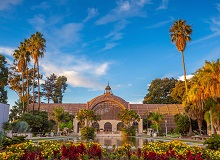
column 166, row 127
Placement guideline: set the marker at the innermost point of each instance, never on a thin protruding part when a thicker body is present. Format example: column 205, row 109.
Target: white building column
column 75, row 125
column 140, row 126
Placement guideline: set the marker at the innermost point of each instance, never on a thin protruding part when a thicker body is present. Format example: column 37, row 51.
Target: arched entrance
column 119, row 126
column 108, row 126
column 78, row 126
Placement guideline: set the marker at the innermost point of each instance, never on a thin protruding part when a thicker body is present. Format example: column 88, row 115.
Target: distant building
column 4, row 112
column 108, row 106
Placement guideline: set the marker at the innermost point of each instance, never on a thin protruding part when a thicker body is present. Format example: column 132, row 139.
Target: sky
column 123, row 42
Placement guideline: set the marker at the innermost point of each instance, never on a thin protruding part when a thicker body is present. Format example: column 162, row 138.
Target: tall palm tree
column 37, row 46
column 22, row 57
column 180, row 34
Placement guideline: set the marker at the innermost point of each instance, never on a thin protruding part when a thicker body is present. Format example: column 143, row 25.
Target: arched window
column 108, row 126
column 119, row 126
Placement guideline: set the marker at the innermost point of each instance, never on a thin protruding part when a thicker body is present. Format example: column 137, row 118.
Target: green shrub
column 8, row 141
column 88, row 132
column 213, row 142
column 131, row 131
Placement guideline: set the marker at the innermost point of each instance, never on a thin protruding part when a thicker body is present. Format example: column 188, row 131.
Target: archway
column 78, row 126
column 108, row 126
column 119, row 126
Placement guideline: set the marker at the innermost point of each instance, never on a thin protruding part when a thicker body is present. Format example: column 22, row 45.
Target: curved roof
column 107, row 97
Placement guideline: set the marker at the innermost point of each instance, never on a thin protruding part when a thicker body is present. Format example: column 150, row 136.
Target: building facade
column 108, row 106
column 4, row 112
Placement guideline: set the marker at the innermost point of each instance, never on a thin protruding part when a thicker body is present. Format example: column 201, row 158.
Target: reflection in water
column 118, row 141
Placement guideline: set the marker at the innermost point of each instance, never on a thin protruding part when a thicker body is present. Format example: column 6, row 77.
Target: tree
column 3, row 79
column 38, row 122
column 36, row 47
column 159, row 91
column 128, row 118
column 62, row 118
column 180, row 33
column 87, row 117
column 60, row 87
column 54, row 87
column 156, row 118
column 16, row 112
column 22, row 57
column 182, row 123
column 48, row 87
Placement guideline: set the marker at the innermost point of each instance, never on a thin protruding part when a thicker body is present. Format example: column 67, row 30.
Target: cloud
column 56, row 33
column 80, row 71
column 163, row 5
column 123, row 10
column 6, row 51
column 214, row 26
column 187, row 77
column 160, row 24
column 42, row 5
column 109, row 46
column 6, row 4
column 92, row 12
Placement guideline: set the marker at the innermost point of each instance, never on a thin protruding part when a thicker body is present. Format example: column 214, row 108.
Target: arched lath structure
column 107, row 105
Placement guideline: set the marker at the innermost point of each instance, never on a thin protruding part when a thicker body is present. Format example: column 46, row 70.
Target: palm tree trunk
column 27, row 77
column 190, row 127
column 33, row 87
column 184, row 70
column 38, row 82
column 22, row 76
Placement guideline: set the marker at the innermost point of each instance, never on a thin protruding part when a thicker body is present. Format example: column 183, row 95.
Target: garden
column 57, row 150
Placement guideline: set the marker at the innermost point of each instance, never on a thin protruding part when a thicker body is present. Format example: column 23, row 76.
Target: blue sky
column 123, row 42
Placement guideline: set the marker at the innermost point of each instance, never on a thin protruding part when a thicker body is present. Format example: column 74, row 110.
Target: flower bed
column 45, row 150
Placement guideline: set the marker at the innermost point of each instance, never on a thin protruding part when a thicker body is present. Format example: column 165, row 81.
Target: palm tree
column 59, row 116
column 22, row 57
column 37, row 48
column 156, row 118
column 180, row 34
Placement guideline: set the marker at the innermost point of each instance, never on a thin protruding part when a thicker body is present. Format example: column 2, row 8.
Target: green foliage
column 21, row 127
column 130, row 131
column 3, row 79
column 54, row 87
column 182, row 123
column 88, row 132
column 213, row 142
column 87, row 115
column 15, row 112
column 38, row 122
column 159, row 91
column 8, row 141
column 2, row 136
column 68, row 125
column 6, row 126
column 155, row 118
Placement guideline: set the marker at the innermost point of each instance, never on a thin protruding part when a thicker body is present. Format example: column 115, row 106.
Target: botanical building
column 108, row 106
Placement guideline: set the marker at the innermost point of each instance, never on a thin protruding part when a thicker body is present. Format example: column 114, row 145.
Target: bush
column 8, row 141
column 213, row 142
column 131, row 131
column 88, row 132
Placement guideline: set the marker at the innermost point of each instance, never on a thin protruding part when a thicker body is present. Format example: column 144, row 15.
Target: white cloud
column 92, row 12
column 80, row 71
column 187, row 77
column 6, row 51
column 160, row 24
column 6, row 4
column 109, row 46
column 42, row 5
column 123, row 10
column 163, row 5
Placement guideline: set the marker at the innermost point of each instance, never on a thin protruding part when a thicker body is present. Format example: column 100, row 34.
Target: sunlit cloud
column 6, row 51
column 124, row 10
column 80, row 71
column 187, row 77
column 163, row 5
column 6, row 4
column 92, row 12
column 109, row 46
column 160, row 24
